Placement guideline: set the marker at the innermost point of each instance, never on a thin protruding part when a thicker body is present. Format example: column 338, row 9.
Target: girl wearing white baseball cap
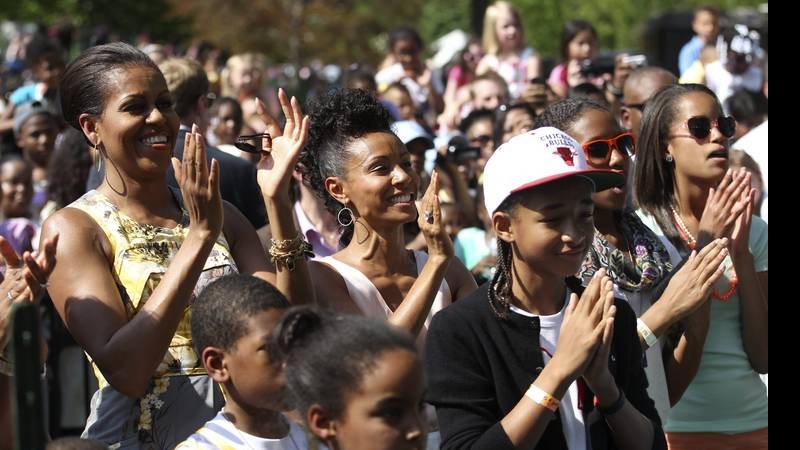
column 636, row 261
column 532, row 359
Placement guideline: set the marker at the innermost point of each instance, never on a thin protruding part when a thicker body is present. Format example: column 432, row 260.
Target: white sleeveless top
column 370, row 301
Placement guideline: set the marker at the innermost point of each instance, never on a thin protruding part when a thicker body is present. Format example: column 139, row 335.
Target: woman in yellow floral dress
column 134, row 253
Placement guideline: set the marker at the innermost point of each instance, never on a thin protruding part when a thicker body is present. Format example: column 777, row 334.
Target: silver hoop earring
column 339, row 217
column 669, row 158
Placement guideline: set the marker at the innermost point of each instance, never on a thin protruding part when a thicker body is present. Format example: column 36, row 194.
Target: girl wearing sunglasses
column 635, row 259
column 688, row 195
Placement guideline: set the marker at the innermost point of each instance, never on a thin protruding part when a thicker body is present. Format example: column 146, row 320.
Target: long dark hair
column 571, row 29
column 654, row 176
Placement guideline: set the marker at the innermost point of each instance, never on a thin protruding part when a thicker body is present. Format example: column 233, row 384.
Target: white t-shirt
column 724, row 83
column 654, row 364
column 571, row 416
column 220, row 434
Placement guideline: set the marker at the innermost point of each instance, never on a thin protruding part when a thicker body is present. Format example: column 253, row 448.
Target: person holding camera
column 578, row 43
column 578, row 49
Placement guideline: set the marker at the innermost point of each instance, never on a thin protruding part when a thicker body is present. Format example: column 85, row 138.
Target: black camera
column 597, row 66
column 460, row 152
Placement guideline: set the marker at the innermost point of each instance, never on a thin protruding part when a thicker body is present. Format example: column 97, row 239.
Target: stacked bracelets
column 286, row 252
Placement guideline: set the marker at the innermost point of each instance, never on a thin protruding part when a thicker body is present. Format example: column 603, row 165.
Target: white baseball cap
column 538, row 157
column 410, row 130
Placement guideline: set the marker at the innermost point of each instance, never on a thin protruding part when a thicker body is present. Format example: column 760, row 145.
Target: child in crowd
column 488, row 91
column 502, row 360
column 682, row 185
column 578, row 43
column 232, row 321
column 16, row 185
column 706, row 28
column 369, row 396
column 507, row 52
column 400, row 97
column 35, row 129
column 423, row 83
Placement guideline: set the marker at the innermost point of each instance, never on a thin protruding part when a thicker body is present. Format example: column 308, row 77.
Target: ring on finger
column 10, row 296
column 428, row 217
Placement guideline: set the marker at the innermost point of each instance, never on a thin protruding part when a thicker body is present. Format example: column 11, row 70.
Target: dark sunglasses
column 243, row 142
column 598, row 153
column 700, row 127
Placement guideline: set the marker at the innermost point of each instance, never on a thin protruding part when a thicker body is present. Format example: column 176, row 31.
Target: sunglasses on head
column 700, row 127
column 598, row 153
column 251, row 143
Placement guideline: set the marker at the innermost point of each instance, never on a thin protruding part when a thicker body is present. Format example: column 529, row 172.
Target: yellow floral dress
column 181, row 396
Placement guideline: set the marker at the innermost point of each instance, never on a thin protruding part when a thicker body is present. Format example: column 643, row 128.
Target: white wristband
column 542, row 398
column 650, row 339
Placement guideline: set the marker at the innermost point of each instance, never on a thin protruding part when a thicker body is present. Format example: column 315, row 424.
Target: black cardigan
column 479, row 367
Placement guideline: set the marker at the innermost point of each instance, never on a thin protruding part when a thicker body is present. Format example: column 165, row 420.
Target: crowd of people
column 497, row 255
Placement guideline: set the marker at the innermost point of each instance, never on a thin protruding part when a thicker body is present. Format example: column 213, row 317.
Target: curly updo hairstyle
column 338, row 118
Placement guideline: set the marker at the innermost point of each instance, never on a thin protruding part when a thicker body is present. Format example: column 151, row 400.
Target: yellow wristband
column 543, row 398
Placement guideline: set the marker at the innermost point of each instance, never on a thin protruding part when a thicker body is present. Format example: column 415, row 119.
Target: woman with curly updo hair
column 363, row 173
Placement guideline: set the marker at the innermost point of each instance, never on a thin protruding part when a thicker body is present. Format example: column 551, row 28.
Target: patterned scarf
column 651, row 259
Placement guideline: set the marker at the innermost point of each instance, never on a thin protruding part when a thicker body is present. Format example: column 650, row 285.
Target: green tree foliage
column 343, row 31
column 334, row 31
column 619, row 23
column 124, row 17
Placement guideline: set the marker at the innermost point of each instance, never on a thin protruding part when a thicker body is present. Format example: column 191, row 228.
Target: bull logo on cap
column 566, row 154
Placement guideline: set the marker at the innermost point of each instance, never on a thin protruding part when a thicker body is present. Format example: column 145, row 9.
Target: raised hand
column 199, row 186
column 597, row 374
column 430, row 221
column 692, row 284
column 724, row 205
column 740, row 236
column 280, row 151
column 574, row 74
column 25, row 278
column 582, row 328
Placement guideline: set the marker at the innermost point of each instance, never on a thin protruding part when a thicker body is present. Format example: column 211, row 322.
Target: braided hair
column 561, row 115
column 500, row 285
column 565, row 113
column 338, row 118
